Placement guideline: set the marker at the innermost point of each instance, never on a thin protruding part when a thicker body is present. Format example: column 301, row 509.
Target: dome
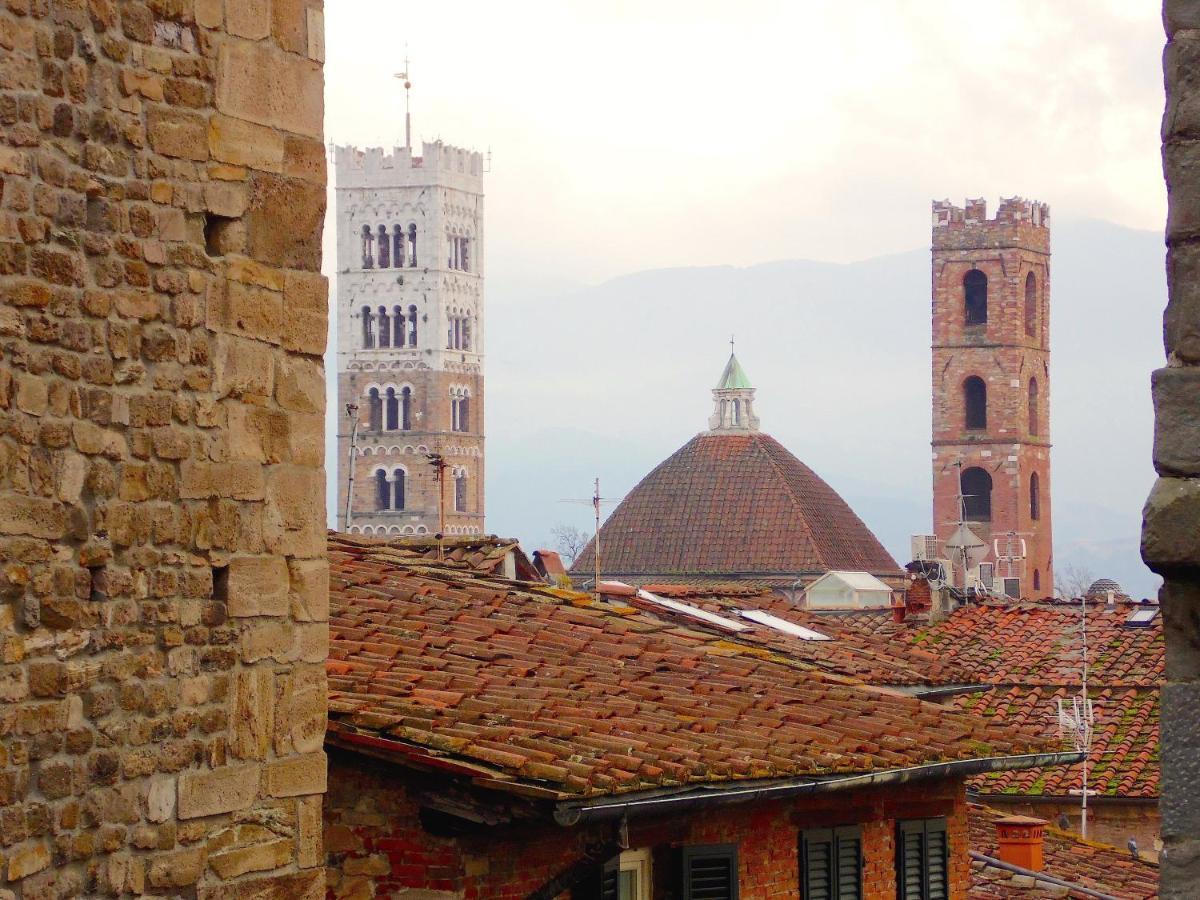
column 1101, row 587
column 734, row 505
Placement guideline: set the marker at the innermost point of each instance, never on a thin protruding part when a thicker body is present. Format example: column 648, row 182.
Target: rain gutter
column 573, row 813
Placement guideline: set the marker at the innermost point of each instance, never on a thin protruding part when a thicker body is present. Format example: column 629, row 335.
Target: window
column 975, row 403
column 1030, row 304
column 977, row 495
column 367, row 241
column 374, row 410
column 384, row 246
column 624, row 877
column 922, row 860
column 464, row 255
column 710, row 872
column 460, row 491
column 385, row 329
column 831, row 863
column 466, row 333
column 406, row 409
column 392, row 409
column 397, row 326
column 464, row 413
column 1033, row 406
column 382, row 490
column 412, row 326
column 398, row 478
column 412, row 246
column 1037, row 580
column 368, row 325
column 975, row 297
column 398, row 246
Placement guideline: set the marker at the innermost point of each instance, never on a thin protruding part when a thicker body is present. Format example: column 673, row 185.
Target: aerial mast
column 403, row 76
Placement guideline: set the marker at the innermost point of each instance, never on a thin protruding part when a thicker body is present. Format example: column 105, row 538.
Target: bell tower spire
column 733, row 400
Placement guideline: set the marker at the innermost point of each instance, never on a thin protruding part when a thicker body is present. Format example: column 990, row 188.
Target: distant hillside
column 607, row 380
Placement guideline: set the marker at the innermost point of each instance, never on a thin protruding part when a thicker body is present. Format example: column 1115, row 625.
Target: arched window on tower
column 466, row 254
column 406, row 409
column 464, row 413
column 412, row 326
column 975, row 297
column 975, row 403
column 977, row 495
column 1037, row 580
column 383, row 490
column 1030, row 304
column 374, row 410
column 454, row 412
column 398, row 479
column 392, row 409
column 460, row 490
column 1033, row 406
column 385, row 328
column 466, row 333
column 398, row 246
column 368, row 325
column 384, row 248
column 367, row 241
column 412, row 246
column 397, row 326
column 1035, row 497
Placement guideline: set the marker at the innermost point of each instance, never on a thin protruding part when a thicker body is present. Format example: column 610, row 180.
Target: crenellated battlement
column 1012, row 211
column 438, row 163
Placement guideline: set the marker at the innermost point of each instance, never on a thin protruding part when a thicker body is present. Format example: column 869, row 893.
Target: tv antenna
column 403, row 76
column 1078, row 720
column 596, row 501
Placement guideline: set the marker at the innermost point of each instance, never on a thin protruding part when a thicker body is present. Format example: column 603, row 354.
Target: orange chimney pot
column 1020, row 840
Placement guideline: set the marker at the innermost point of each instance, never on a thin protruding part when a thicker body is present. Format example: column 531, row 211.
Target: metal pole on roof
column 352, row 412
column 596, row 507
column 1087, row 717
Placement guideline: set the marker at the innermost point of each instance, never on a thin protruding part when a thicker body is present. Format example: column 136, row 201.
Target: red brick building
column 991, row 385
column 496, row 740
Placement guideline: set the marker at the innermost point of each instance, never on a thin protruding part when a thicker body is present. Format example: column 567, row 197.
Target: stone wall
column 377, row 845
column 163, row 591
column 1171, row 532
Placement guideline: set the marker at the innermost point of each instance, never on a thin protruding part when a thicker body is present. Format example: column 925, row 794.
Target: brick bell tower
column 410, row 339
column 991, row 385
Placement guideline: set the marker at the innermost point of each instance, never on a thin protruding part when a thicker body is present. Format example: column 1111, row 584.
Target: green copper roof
column 733, row 378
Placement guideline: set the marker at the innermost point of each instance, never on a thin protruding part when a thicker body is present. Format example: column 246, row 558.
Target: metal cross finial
column 731, row 345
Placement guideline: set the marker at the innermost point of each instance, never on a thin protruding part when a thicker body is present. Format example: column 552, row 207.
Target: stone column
column 1171, row 530
column 163, row 583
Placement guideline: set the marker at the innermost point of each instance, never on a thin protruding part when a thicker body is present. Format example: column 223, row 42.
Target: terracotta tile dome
column 735, row 504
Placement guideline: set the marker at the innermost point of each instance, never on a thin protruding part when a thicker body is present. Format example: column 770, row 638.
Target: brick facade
column 163, row 594
column 1172, row 514
column 1009, row 352
column 377, row 846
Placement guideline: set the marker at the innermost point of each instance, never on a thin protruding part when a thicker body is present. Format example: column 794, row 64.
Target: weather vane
column 403, row 76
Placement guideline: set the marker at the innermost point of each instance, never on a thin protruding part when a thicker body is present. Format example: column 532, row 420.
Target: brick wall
column 376, row 846
column 163, row 588
column 1006, row 357
column 1171, row 532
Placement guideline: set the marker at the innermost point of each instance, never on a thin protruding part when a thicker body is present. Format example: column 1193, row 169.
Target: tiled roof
column 1067, row 856
column 553, row 693
column 1124, row 761
column 872, row 659
column 1026, row 644
column 734, row 504
column 1032, row 654
column 481, row 553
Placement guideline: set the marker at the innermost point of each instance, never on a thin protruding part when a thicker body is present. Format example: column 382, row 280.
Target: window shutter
column 848, row 856
column 816, row 854
column 936, row 860
column 601, row 883
column 922, row 860
column 910, row 851
column 710, row 873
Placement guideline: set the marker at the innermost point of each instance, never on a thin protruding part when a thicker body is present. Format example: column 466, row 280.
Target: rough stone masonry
column 1171, row 531
column 163, row 588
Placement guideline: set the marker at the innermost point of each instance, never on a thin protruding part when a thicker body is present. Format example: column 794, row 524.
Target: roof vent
column 1019, row 841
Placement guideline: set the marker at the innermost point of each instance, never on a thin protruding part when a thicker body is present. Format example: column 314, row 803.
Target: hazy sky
column 634, row 135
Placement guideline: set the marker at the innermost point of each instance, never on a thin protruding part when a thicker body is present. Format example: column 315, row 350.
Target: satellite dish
column 965, row 542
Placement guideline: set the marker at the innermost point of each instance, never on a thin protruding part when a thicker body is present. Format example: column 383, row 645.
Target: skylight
column 765, row 618
column 692, row 612
column 1140, row 618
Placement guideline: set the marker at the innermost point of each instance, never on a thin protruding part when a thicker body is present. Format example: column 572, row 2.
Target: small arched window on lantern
column 383, row 490
column 1035, row 497
column 368, row 327
column 976, row 486
column 1033, row 406
column 384, row 248
column 368, row 240
column 975, row 403
column 975, row 291
column 1030, row 305
column 406, row 409
column 412, row 246
column 393, row 409
column 385, row 328
column 374, row 410
column 398, row 485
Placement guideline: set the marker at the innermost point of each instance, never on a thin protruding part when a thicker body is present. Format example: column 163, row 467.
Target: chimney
column 1019, row 841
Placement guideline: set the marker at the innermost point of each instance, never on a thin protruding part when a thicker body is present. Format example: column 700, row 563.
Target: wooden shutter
column 601, row 883
column 832, row 863
column 923, row 860
column 710, row 872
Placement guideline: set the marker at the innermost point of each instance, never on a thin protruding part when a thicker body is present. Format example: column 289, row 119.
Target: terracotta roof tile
column 734, row 503
column 516, row 684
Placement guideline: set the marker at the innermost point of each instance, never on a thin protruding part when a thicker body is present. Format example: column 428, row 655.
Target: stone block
column 249, row 19
column 244, row 368
column 309, row 589
column 222, row 790
column 297, row 776
column 308, row 885
column 259, row 857
column 300, row 384
column 160, row 798
column 245, row 310
column 209, row 13
column 252, row 716
column 225, row 198
column 266, row 639
column 31, row 516
column 32, row 394
column 247, row 271
column 1171, row 525
column 244, row 143
column 309, row 833
column 316, row 35
column 176, row 133
column 27, row 860
column 1180, row 14
column 284, row 221
column 258, row 586
column 307, row 439
column 1180, row 805
column 177, row 869
column 1181, row 62
column 236, row 480
column 261, row 84
column 306, row 320
column 259, row 434
column 294, row 520
column 1181, row 325
column 306, row 703
column 1177, row 420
